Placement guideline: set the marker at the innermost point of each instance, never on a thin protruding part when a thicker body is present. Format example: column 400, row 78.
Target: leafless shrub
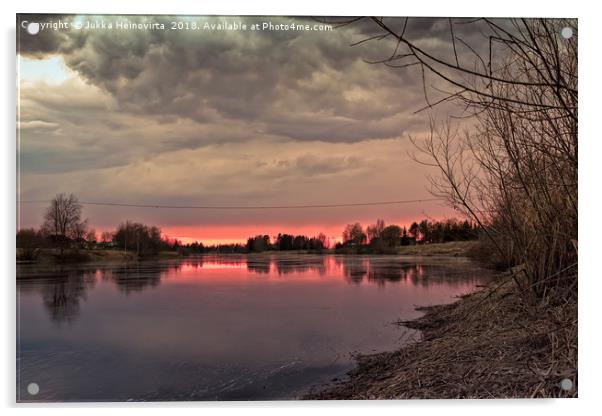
column 514, row 170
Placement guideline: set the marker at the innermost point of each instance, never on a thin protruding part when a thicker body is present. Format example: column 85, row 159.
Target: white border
column 589, row 181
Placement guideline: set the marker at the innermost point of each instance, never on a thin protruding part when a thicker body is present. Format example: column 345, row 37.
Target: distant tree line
column 381, row 238
column 64, row 228
column 286, row 242
column 443, row 231
column 375, row 238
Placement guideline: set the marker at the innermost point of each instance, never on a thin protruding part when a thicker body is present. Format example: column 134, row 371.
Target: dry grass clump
column 489, row 344
column 452, row 248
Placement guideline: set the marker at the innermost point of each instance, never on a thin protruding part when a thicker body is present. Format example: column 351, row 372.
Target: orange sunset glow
column 213, row 235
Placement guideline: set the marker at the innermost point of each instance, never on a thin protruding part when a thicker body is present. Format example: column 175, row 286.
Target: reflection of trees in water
column 225, row 260
column 137, row 277
column 451, row 275
column 63, row 290
column 192, row 263
column 380, row 271
column 401, row 272
column 358, row 269
column 287, row 265
column 259, row 266
column 314, row 264
column 355, row 269
column 392, row 274
column 62, row 294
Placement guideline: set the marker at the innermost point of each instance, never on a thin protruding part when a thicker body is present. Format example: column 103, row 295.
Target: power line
column 245, row 207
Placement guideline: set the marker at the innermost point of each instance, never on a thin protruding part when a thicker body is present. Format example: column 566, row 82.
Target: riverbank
column 53, row 256
column 488, row 344
column 448, row 249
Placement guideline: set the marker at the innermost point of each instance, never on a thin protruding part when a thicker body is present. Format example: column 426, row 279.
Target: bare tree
column 91, row 236
column 354, row 233
column 322, row 239
column 375, row 230
column 106, row 236
column 62, row 220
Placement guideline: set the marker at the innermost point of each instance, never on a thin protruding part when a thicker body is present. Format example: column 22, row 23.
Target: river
column 255, row 327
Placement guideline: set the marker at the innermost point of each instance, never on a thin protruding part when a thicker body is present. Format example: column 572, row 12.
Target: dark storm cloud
column 289, row 83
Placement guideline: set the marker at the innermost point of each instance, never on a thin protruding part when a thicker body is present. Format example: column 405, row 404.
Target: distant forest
column 63, row 228
column 376, row 238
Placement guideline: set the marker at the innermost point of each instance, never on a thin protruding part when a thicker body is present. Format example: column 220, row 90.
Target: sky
column 230, row 118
